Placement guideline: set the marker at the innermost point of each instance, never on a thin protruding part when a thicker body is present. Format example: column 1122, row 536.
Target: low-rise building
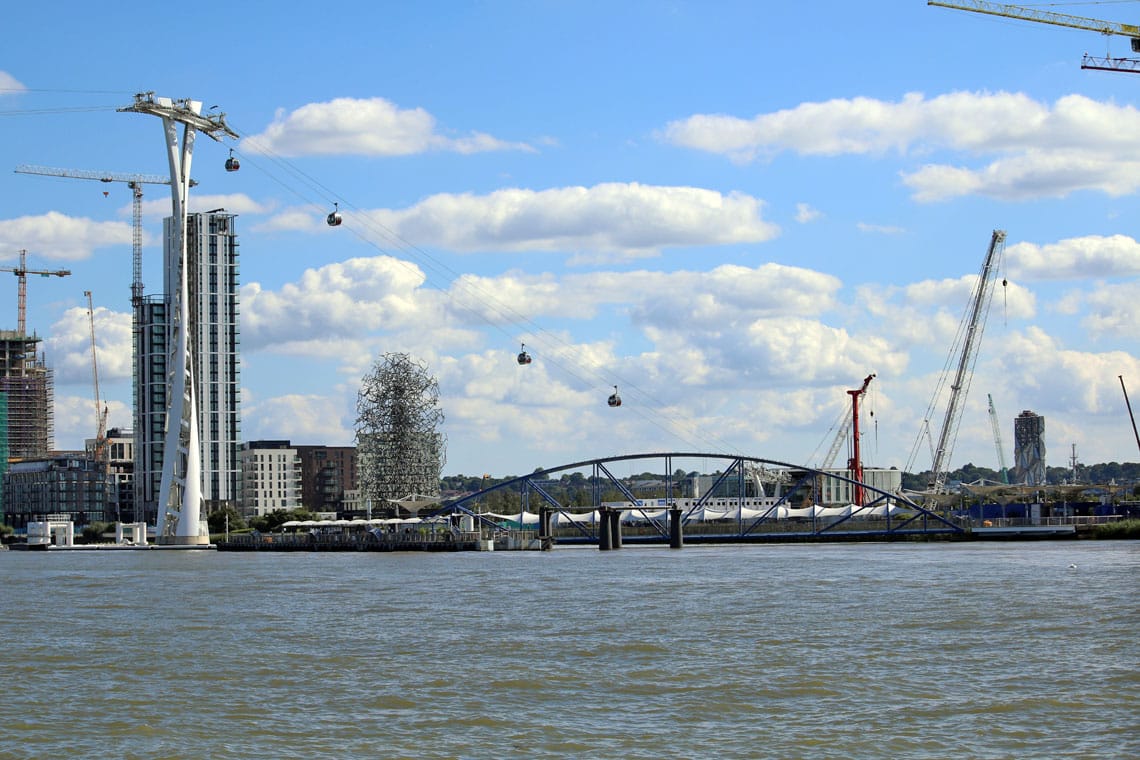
column 271, row 478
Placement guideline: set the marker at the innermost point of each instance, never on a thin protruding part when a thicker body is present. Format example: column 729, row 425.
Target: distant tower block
column 1029, row 441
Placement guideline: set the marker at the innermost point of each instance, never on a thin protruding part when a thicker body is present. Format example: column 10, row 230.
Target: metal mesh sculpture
column 400, row 450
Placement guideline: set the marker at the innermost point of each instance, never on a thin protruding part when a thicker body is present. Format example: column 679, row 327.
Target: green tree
column 217, row 519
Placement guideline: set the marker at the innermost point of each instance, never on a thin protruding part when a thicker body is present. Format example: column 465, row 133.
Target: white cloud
column 1089, row 257
column 879, row 229
column 627, row 218
column 70, row 346
column 1114, row 311
column 1039, row 150
column 55, row 236
column 335, row 301
column 302, row 419
column 9, row 85
column 233, row 203
column 805, row 213
column 368, row 127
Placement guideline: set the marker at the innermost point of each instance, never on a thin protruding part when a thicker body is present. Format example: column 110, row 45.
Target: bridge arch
column 761, row 524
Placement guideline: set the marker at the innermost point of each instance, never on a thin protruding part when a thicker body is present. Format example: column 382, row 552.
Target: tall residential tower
column 212, row 285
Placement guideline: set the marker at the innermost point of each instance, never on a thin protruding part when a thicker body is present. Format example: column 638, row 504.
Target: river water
column 980, row 650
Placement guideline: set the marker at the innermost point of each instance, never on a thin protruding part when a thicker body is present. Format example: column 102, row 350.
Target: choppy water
column 828, row 651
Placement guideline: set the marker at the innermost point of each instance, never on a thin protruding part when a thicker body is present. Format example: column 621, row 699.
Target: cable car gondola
column 232, row 164
column 334, row 219
column 614, row 399
column 524, row 357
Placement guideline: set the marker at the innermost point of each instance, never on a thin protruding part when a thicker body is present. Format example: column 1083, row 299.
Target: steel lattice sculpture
column 400, row 450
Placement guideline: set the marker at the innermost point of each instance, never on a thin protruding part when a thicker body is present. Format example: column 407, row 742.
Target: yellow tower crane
column 1107, row 28
column 22, row 273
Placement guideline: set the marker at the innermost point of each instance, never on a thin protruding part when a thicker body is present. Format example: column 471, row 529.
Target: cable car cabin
column 334, row 219
column 524, row 357
column 614, row 399
column 232, row 164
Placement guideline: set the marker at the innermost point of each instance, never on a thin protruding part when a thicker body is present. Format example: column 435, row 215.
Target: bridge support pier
column 676, row 536
column 545, row 539
column 615, row 528
column 605, row 542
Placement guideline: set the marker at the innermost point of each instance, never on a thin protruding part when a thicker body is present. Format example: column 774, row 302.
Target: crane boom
column 134, row 181
column 1126, row 65
column 1046, row 17
column 22, row 273
column 1129, row 405
column 102, row 176
column 100, row 408
column 974, row 324
column 997, row 441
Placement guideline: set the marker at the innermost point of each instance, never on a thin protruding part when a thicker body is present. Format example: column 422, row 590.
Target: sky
column 732, row 211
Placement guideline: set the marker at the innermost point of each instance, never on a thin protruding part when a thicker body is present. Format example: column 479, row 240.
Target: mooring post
column 676, row 537
column 615, row 527
column 605, row 541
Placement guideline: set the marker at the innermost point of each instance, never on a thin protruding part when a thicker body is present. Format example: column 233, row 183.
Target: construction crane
column 22, row 273
column 1107, row 28
column 135, row 183
column 855, row 463
column 968, row 339
column 1128, row 404
column 100, row 407
column 997, row 441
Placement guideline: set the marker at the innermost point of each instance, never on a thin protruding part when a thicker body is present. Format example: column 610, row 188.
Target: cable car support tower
column 180, row 520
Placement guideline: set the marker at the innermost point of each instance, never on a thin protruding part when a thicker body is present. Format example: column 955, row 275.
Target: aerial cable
column 562, row 353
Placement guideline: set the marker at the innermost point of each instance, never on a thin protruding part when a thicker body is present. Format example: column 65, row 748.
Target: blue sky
column 734, row 211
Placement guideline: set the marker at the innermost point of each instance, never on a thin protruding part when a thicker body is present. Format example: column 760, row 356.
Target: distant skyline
column 732, row 211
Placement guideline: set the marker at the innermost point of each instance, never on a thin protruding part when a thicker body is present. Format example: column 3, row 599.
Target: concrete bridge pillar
column 615, row 528
column 676, row 537
column 605, row 539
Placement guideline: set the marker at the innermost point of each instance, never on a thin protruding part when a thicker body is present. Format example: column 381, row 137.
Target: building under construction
column 28, row 386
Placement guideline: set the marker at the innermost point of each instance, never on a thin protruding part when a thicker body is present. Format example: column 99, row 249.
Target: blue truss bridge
column 746, row 499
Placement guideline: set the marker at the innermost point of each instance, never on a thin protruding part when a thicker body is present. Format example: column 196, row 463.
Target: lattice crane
column 100, row 408
column 22, row 273
column 997, row 441
column 1107, row 28
column 965, row 348
column 135, row 183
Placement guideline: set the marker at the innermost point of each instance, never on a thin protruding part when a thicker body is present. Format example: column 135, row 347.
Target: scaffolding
column 28, row 385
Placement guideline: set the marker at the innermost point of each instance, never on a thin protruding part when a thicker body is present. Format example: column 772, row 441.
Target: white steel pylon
column 180, row 519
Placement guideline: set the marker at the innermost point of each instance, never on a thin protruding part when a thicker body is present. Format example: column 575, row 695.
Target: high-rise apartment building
column 212, row 282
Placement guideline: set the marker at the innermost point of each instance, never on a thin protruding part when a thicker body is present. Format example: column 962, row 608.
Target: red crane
column 855, row 464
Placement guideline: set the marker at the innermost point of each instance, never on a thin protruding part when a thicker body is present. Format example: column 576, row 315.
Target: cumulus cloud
column 54, row 236
column 627, row 218
column 303, row 419
column 233, row 203
column 1092, row 256
column 1038, row 150
column 70, row 346
column 805, row 213
column 9, row 85
column 365, row 127
column 879, row 229
column 335, row 301
column 1114, row 310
